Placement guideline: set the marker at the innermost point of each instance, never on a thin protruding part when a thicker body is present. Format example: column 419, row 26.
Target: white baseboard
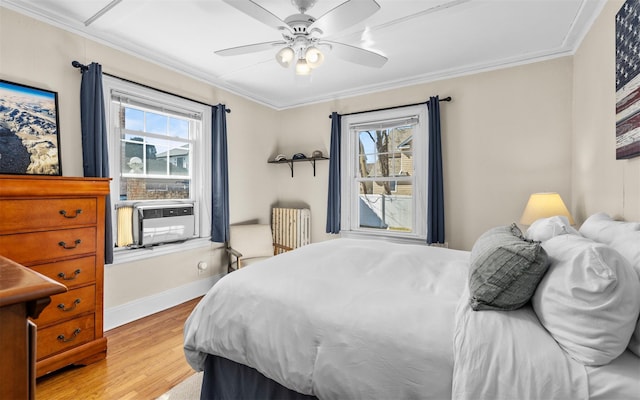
column 128, row 312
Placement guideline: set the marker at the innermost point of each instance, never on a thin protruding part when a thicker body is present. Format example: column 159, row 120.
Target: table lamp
column 544, row 205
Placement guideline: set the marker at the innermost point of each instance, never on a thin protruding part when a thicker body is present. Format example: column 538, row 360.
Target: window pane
column 386, row 212
column 132, row 159
column 156, row 123
column 385, row 152
column 157, row 164
column 153, row 189
column 133, row 119
column 179, row 128
column 367, row 154
column 386, row 164
column 406, row 164
column 179, row 160
column 367, row 139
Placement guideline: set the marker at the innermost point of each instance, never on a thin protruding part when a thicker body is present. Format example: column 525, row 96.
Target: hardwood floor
column 144, row 360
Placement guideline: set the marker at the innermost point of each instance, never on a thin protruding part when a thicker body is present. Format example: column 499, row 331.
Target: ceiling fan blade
column 357, row 55
column 346, row 14
column 251, row 48
column 258, row 12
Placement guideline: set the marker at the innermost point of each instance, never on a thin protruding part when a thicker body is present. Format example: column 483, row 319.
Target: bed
column 369, row 319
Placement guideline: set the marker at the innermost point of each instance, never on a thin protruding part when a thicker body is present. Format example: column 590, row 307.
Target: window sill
column 123, row 256
column 384, row 236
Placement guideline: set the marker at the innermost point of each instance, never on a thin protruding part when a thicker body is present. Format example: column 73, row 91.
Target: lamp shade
column 285, row 56
column 314, row 57
column 302, row 68
column 544, row 205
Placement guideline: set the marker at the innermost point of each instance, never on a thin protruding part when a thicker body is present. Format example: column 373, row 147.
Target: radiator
column 291, row 227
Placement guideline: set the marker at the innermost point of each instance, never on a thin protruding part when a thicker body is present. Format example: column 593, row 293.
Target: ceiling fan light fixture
column 314, row 57
column 285, row 56
column 302, row 67
column 302, row 34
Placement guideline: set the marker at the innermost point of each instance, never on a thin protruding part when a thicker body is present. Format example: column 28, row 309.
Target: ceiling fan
column 302, row 34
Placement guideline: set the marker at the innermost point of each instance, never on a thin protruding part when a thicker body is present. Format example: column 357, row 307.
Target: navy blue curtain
column 219, row 176
column 333, row 201
column 435, row 199
column 94, row 140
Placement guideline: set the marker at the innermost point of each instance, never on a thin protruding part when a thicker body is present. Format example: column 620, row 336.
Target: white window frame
column 200, row 185
column 350, row 211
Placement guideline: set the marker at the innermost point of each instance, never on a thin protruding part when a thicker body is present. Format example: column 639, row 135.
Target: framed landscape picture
column 29, row 136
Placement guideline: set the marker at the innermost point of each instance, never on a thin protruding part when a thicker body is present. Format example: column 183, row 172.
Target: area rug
column 189, row 389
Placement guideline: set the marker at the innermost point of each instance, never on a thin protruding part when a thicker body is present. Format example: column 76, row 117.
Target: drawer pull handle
column 64, row 245
column 75, row 334
column 70, row 278
column 62, row 307
column 64, row 213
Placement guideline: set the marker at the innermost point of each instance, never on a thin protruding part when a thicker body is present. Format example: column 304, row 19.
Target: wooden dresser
column 55, row 226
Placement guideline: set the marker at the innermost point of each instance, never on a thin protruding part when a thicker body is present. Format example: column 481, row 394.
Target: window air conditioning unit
column 153, row 224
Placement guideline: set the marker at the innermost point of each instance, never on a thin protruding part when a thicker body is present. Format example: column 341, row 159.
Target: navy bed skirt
column 226, row 379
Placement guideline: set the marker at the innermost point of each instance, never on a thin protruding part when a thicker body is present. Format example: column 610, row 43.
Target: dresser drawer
column 68, row 305
column 26, row 248
column 63, row 336
column 30, row 215
column 70, row 273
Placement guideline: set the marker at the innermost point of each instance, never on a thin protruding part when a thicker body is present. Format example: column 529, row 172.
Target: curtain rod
column 394, row 107
column 83, row 68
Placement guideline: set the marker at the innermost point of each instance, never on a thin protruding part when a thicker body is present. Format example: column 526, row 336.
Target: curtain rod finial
column 76, row 64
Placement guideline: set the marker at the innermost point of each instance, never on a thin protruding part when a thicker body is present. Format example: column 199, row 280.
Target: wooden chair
column 249, row 244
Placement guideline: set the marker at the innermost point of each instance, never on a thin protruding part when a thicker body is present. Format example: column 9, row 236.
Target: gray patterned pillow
column 505, row 269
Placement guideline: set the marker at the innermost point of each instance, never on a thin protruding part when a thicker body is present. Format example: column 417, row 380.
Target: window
column 384, row 173
column 155, row 148
column 157, row 152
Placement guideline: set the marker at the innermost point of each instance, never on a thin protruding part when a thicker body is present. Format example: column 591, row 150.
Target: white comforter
column 363, row 319
column 344, row 318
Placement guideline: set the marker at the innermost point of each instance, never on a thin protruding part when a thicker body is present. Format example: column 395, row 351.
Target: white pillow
column 623, row 237
column 546, row 228
column 589, row 300
column 629, row 246
column 601, row 228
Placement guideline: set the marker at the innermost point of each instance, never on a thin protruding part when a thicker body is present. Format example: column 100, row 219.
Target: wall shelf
column 290, row 162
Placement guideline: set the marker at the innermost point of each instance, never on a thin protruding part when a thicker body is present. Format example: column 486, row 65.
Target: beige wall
column 599, row 181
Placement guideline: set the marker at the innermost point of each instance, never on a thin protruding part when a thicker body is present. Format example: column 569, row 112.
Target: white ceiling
column 425, row 40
